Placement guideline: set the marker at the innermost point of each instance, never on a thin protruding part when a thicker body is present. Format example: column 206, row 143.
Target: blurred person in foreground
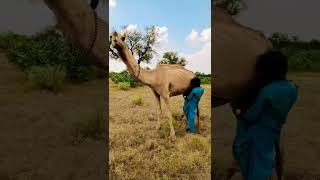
column 256, row 144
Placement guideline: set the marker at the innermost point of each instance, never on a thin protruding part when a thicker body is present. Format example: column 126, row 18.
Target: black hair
column 271, row 66
column 195, row 82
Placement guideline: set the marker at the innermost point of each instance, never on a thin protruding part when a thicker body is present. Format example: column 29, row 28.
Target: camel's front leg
column 165, row 101
column 157, row 96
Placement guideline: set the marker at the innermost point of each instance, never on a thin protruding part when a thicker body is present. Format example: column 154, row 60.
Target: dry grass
column 35, row 139
column 138, row 151
column 137, row 100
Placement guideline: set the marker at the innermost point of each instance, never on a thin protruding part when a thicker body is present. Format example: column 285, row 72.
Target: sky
column 184, row 26
column 294, row 17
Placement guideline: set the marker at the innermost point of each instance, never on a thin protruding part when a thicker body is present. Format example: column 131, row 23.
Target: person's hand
column 237, row 112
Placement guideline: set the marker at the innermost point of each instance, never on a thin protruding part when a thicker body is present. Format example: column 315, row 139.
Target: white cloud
column 205, row 35
column 112, row 3
column 200, row 60
column 195, row 37
column 129, row 29
column 162, row 33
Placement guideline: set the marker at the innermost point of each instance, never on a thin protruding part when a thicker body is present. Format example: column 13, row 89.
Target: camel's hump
column 170, row 66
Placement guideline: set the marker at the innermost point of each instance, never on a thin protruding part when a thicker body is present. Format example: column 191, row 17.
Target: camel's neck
column 76, row 20
column 144, row 76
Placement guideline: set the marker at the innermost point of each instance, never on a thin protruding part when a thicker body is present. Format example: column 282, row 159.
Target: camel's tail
column 198, row 119
column 279, row 166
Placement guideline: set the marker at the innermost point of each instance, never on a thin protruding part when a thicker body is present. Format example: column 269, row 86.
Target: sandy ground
column 301, row 134
column 35, row 140
column 139, row 151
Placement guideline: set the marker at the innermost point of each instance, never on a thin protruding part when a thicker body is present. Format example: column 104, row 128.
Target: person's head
column 195, row 82
column 272, row 66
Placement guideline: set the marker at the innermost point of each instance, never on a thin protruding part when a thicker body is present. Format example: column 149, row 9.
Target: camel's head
column 117, row 40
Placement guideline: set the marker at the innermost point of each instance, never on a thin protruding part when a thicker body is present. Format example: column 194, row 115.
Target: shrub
column 91, row 125
column 205, row 78
column 137, row 100
column 47, row 77
column 124, row 76
column 124, row 86
column 304, row 60
column 47, row 48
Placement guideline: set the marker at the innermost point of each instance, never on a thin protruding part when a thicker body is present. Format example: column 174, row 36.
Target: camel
column 235, row 51
column 82, row 27
column 166, row 80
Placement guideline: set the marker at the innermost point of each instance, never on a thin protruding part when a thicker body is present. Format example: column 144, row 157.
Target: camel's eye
column 123, row 38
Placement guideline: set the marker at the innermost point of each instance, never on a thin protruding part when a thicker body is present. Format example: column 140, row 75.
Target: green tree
column 234, row 7
column 140, row 44
column 173, row 58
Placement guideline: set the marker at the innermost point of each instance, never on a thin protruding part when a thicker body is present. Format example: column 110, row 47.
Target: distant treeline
column 126, row 77
column 302, row 55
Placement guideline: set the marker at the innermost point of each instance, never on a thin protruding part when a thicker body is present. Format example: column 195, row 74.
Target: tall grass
column 124, row 77
column 91, row 125
column 51, row 78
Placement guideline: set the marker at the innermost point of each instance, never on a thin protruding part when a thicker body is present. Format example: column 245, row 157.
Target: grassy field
column 36, row 131
column 138, row 151
column 301, row 134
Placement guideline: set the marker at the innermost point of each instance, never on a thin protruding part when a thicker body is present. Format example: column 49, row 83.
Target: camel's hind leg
column 159, row 112
column 165, row 101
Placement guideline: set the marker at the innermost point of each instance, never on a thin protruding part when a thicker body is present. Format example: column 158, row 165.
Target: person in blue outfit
column 259, row 124
column 191, row 102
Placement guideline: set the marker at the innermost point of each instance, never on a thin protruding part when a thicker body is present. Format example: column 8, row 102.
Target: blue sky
column 176, row 18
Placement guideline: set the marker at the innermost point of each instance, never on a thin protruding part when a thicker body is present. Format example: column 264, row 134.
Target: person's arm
column 254, row 111
column 190, row 96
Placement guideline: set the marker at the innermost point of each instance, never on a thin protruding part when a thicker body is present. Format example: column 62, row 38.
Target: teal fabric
column 190, row 106
column 259, row 127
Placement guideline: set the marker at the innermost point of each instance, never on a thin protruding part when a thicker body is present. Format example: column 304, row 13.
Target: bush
column 205, row 78
column 137, row 100
column 124, row 86
column 49, row 77
column 47, row 48
column 91, row 125
column 124, row 76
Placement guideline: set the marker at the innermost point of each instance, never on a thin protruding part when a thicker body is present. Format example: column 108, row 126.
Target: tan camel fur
column 165, row 80
column 235, row 51
column 76, row 20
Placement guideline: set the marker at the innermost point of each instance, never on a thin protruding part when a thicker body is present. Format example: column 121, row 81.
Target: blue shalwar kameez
column 259, row 127
column 190, row 107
